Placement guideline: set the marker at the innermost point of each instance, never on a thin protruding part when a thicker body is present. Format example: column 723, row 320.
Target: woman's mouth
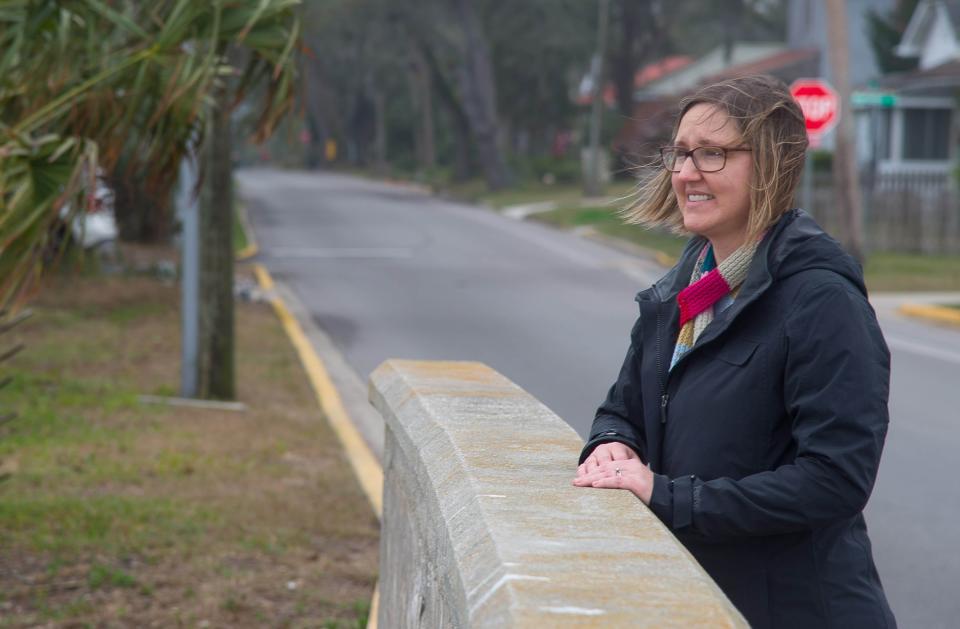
column 699, row 197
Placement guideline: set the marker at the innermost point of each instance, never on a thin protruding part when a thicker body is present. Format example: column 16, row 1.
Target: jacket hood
column 798, row 244
column 795, row 243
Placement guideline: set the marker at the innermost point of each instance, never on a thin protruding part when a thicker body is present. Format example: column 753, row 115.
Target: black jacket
column 766, row 436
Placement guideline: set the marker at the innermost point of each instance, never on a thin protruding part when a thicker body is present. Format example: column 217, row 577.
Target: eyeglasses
column 707, row 159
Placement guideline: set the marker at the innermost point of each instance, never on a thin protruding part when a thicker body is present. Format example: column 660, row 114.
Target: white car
column 97, row 225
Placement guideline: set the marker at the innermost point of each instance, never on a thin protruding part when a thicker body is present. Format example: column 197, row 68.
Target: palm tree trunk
column 216, row 268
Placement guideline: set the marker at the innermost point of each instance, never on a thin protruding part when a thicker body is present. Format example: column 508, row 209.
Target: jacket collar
column 758, row 280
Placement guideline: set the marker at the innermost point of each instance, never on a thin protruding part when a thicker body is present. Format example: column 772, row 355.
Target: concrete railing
column 482, row 528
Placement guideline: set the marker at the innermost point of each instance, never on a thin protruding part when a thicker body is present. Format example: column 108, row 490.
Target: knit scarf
column 708, row 284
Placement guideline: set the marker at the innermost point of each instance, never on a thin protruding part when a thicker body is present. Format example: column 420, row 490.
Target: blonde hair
column 771, row 124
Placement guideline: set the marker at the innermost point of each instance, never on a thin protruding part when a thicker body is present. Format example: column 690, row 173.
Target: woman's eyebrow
column 701, row 141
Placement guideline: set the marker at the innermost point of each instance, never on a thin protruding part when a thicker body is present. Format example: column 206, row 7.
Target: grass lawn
column 912, row 272
column 475, row 191
column 240, row 239
column 606, row 221
column 884, row 271
column 117, row 513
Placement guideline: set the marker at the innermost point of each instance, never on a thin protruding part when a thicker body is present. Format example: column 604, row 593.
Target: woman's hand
column 612, row 451
column 616, row 466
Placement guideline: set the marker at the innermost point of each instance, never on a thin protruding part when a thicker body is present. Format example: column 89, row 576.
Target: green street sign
column 873, row 99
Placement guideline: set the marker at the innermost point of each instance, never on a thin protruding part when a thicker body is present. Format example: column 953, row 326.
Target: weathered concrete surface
column 482, row 527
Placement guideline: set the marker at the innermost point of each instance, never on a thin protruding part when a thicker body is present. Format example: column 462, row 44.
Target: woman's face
column 715, row 205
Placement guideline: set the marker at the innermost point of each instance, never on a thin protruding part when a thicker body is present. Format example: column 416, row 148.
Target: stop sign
column 820, row 105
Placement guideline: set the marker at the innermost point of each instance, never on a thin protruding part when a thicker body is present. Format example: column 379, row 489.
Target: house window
column 926, row 134
column 881, row 121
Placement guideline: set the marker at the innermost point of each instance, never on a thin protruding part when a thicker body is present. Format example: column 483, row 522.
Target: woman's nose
column 688, row 171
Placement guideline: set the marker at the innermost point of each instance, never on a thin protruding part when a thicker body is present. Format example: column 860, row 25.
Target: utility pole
column 190, row 282
column 845, row 177
column 593, row 187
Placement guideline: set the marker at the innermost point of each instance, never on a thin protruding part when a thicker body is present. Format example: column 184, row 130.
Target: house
column 931, row 35
column 802, row 55
column 642, row 77
column 908, row 122
column 689, row 76
column 656, row 99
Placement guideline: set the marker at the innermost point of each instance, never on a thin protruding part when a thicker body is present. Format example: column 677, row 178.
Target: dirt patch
column 116, row 513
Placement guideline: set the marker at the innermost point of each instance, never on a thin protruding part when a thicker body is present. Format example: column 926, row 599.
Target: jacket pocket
column 734, row 352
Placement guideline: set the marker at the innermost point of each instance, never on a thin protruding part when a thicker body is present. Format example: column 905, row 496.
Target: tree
column 479, row 95
column 216, row 347
column 642, row 38
column 83, row 81
column 695, row 27
column 493, row 88
column 885, row 31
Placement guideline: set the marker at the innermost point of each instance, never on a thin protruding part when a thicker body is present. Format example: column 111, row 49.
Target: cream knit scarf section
column 708, row 284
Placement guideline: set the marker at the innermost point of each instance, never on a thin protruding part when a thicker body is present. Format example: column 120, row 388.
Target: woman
column 751, row 408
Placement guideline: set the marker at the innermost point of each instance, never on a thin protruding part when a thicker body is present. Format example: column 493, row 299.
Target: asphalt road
column 390, row 272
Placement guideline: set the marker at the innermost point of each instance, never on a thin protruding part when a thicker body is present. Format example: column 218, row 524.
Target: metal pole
column 190, row 282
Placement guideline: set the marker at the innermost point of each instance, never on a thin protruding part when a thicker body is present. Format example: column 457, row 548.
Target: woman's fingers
column 605, row 470
column 630, row 474
column 609, row 482
column 597, row 458
column 616, row 470
column 621, row 452
column 604, row 455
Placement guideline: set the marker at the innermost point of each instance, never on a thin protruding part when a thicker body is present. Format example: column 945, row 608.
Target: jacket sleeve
column 620, row 416
column 836, row 384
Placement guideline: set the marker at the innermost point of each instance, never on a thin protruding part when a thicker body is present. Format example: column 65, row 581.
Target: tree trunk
column 626, row 61
column 458, row 118
column 140, row 214
column 845, row 176
column 479, row 97
column 216, row 255
column 380, row 165
column 420, row 85
column 592, row 184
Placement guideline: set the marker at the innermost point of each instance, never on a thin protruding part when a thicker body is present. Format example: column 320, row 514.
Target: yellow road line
column 364, row 463
column 664, row 259
column 939, row 314
column 374, row 608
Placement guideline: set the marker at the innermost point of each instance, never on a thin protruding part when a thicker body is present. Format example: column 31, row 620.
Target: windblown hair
column 770, row 123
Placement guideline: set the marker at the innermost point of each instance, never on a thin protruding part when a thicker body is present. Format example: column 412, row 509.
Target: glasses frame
column 692, row 153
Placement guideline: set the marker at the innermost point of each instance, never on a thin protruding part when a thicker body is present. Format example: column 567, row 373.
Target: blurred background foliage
column 446, row 90
column 120, row 89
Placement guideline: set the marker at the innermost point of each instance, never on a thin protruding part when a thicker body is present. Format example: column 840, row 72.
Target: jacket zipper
column 664, row 398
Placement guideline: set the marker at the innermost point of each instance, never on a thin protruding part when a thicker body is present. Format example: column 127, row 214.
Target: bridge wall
column 482, row 527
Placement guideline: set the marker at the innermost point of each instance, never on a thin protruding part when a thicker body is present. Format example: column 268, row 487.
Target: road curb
column 938, row 314
column 365, row 465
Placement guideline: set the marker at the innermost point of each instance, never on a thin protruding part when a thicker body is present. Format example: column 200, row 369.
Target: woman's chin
column 694, row 226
